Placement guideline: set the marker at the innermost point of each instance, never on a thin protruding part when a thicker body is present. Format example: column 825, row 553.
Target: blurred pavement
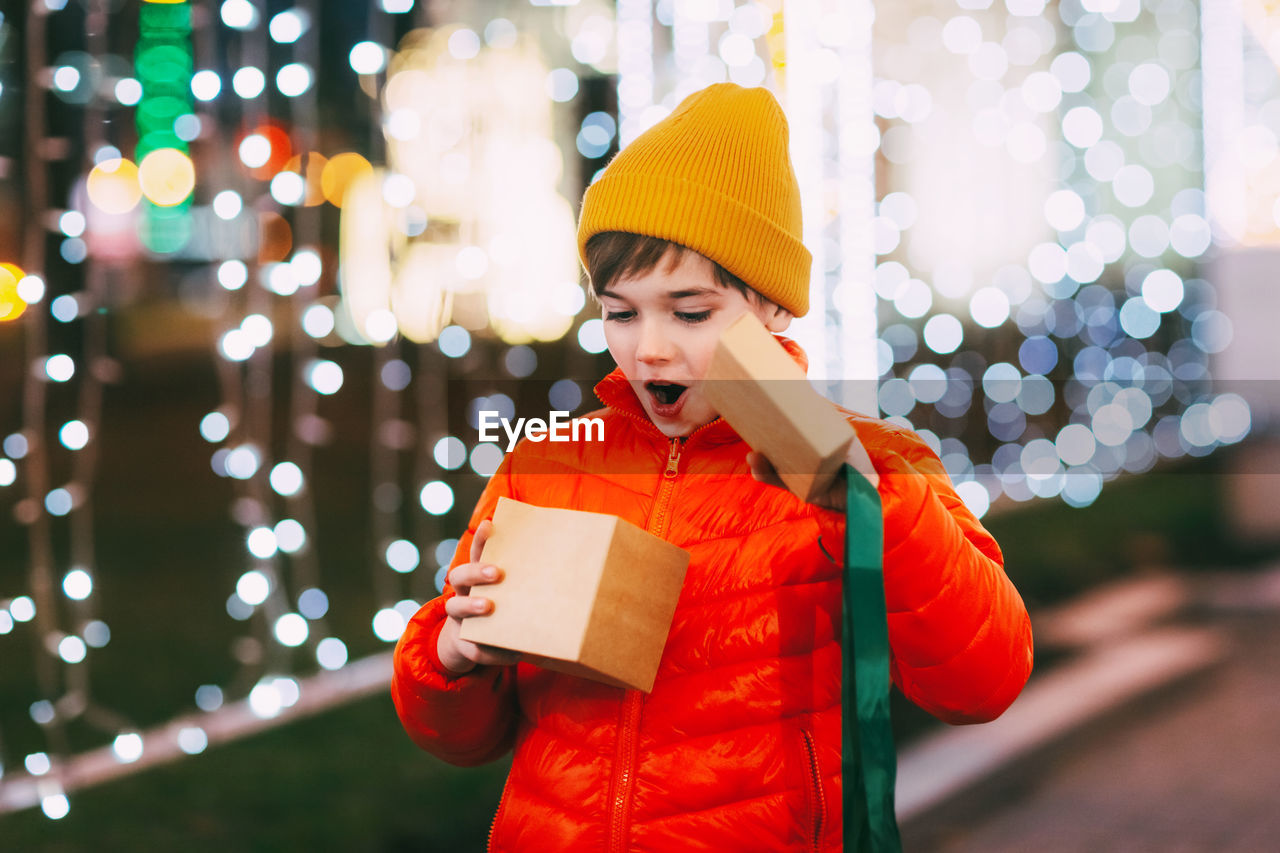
column 1191, row 763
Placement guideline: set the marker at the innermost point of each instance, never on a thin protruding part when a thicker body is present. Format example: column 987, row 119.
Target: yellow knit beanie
column 715, row 176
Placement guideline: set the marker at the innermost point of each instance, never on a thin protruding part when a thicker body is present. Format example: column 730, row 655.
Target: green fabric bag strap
column 869, row 763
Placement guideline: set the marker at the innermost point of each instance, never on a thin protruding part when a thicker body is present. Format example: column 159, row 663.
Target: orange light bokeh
column 339, row 173
column 275, row 238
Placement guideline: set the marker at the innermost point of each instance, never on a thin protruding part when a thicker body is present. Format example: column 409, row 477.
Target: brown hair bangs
column 615, row 255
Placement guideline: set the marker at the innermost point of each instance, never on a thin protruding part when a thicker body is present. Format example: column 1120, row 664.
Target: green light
column 163, row 65
column 159, row 113
column 165, row 19
column 165, row 230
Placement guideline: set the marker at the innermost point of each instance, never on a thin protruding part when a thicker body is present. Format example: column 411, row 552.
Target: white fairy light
column 286, row 479
column 253, row 587
column 77, row 584
column 192, row 740
column 127, row 747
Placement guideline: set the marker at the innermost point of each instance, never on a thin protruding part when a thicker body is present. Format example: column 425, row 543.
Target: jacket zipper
column 633, row 702
column 817, row 802
column 497, row 816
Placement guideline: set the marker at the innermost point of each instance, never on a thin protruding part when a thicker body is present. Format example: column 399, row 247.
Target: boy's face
column 662, row 327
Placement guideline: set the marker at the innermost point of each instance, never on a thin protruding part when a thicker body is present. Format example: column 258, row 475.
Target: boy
column 737, row 747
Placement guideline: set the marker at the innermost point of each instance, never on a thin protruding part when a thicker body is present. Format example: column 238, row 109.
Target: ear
column 778, row 319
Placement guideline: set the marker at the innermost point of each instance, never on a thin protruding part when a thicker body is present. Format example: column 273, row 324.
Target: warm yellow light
column 113, row 186
column 364, row 250
column 167, row 176
column 422, row 294
column 339, row 173
column 11, row 304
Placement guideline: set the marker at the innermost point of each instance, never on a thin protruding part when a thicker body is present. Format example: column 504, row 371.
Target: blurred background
column 262, row 262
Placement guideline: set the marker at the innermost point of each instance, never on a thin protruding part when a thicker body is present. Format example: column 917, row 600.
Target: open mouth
column 666, row 393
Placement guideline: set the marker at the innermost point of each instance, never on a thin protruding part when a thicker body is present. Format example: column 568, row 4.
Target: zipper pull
column 673, row 460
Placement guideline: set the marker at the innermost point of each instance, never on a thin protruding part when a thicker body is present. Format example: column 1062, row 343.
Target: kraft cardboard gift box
column 584, row 593
column 764, row 395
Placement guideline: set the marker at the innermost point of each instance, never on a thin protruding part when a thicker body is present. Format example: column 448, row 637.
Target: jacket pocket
column 815, row 800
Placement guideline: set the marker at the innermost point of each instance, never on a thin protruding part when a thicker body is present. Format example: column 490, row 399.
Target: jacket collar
column 616, row 393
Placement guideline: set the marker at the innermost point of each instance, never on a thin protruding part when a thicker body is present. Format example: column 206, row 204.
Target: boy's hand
column 458, row 655
column 834, row 498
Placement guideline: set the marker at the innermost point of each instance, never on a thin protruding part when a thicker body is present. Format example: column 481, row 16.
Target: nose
column 653, row 345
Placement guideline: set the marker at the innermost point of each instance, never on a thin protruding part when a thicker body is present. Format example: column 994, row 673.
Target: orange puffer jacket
column 738, row 745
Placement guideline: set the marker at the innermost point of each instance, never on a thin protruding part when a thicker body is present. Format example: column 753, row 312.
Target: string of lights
column 395, row 555
column 279, row 594
column 28, row 445
column 312, row 601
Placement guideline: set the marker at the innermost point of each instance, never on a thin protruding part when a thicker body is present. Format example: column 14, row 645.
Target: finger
column 466, row 575
column 462, row 606
column 477, row 542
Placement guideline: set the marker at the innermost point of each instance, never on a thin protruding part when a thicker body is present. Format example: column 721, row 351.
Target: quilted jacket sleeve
column 959, row 633
column 464, row 720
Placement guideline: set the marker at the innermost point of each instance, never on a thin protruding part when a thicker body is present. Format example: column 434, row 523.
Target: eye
column 619, row 316
column 693, row 317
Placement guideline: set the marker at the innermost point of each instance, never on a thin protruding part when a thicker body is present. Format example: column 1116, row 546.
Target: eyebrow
column 674, row 294
column 693, row 291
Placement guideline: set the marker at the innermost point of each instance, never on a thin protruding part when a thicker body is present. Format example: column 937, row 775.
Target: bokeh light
column 74, row 435
column 318, row 321
column 288, row 26
column 294, row 79
column 12, row 305
column 253, row 587
column 192, row 740
column 436, row 497
column 227, row 204
column 239, row 14
column 286, row 479
column 402, row 556
column 339, row 173
column 388, row 625
column 206, row 85
column 454, row 341
column 291, row 629
column 166, row 177
column 248, row 82
column 367, row 57
column 77, row 584
column 233, row 274
column 331, row 653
